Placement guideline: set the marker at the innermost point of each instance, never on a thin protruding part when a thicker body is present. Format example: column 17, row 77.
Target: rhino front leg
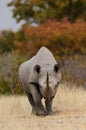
column 48, row 104
column 35, row 101
column 30, row 98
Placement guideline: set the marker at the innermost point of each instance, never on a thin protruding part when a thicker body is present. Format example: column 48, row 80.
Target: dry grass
column 69, row 106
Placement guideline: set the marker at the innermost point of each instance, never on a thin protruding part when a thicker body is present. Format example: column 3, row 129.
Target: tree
column 40, row 10
column 7, row 41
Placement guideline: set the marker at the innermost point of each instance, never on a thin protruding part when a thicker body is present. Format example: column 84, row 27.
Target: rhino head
column 48, row 79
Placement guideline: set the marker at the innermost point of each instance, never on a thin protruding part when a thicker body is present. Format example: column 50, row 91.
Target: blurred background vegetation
column 56, row 24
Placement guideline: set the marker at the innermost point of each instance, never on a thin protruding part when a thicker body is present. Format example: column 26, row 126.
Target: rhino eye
column 56, row 68
column 37, row 68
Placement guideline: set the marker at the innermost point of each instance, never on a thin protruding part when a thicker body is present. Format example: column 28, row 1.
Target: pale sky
column 6, row 20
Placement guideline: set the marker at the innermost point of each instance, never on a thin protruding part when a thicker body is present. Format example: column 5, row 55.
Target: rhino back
column 44, row 56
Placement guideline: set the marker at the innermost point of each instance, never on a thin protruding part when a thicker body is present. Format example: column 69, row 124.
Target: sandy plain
column 69, row 106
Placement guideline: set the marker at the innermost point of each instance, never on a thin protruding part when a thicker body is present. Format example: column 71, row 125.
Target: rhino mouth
column 48, row 97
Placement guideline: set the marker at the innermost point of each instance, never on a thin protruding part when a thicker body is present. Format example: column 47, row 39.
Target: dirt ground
column 69, row 107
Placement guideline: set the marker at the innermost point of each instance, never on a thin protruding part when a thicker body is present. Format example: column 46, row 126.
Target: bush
column 62, row 38
column 74, row 71
column 7, row 41
column 9, row 64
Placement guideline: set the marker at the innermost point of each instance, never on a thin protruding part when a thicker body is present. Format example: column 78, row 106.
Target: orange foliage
column 62, row 37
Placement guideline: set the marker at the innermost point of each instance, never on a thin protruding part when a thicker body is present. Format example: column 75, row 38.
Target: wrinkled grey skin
column 40, row 77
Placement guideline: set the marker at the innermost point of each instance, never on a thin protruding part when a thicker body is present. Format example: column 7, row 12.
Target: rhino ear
column 37, row 68
column 56, row 68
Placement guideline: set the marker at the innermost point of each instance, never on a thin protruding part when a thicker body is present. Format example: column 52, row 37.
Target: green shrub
column 4, row 88
column 7, row 41
column 9, row 63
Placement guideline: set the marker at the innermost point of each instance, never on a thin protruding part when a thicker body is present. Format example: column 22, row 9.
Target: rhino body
column 40, row 77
